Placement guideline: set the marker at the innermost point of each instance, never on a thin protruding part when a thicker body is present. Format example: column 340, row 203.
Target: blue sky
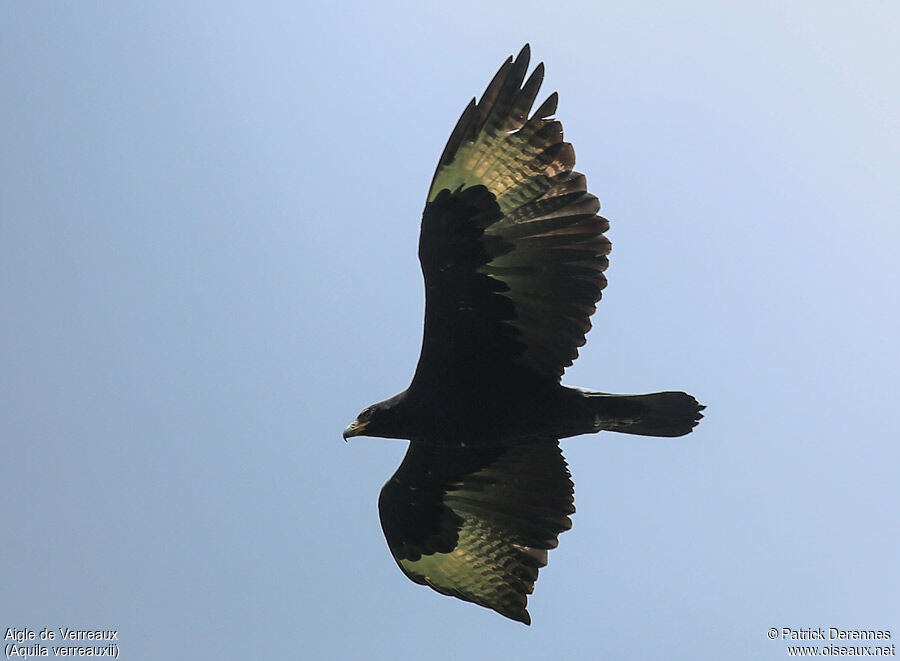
column 208, row 223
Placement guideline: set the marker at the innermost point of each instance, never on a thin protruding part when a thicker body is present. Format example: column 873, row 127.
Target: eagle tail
column 655, row 414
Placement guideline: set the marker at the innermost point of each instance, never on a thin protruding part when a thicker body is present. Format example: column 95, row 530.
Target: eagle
column 513, row 255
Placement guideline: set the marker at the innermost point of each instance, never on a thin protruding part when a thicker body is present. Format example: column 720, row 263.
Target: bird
column 513, row 255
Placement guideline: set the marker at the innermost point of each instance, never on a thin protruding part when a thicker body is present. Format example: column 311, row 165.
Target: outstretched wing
column 476, row 523
column 511, row 246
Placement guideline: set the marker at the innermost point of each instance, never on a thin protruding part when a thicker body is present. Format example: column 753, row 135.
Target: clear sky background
column 208, row 225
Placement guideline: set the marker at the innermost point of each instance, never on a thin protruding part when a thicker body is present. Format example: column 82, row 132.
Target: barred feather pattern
column 509, row 508
column 554, row 273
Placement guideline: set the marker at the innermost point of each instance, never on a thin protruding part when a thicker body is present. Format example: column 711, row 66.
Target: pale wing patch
column 506, row 514
column 479, row 568
column 507, row 164
column 493, row 562
column 552, row 252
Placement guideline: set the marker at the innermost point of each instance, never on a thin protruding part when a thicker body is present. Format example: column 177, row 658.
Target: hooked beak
column 355, row 429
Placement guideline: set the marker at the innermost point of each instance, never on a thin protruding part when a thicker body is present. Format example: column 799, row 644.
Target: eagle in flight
column 513, row 255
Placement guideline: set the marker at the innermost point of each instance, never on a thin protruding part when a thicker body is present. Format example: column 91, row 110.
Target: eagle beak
column 355, row 429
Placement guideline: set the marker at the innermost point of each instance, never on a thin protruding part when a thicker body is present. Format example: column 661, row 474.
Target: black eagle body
column 513, row 255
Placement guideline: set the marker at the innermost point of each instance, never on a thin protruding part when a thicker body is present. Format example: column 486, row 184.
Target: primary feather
column 513, row 254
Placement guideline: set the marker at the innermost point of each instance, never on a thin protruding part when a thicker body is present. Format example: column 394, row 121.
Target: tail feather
column 654, row 414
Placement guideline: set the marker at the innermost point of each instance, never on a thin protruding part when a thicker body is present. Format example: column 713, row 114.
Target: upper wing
column 511, row 248
column 476, row 523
